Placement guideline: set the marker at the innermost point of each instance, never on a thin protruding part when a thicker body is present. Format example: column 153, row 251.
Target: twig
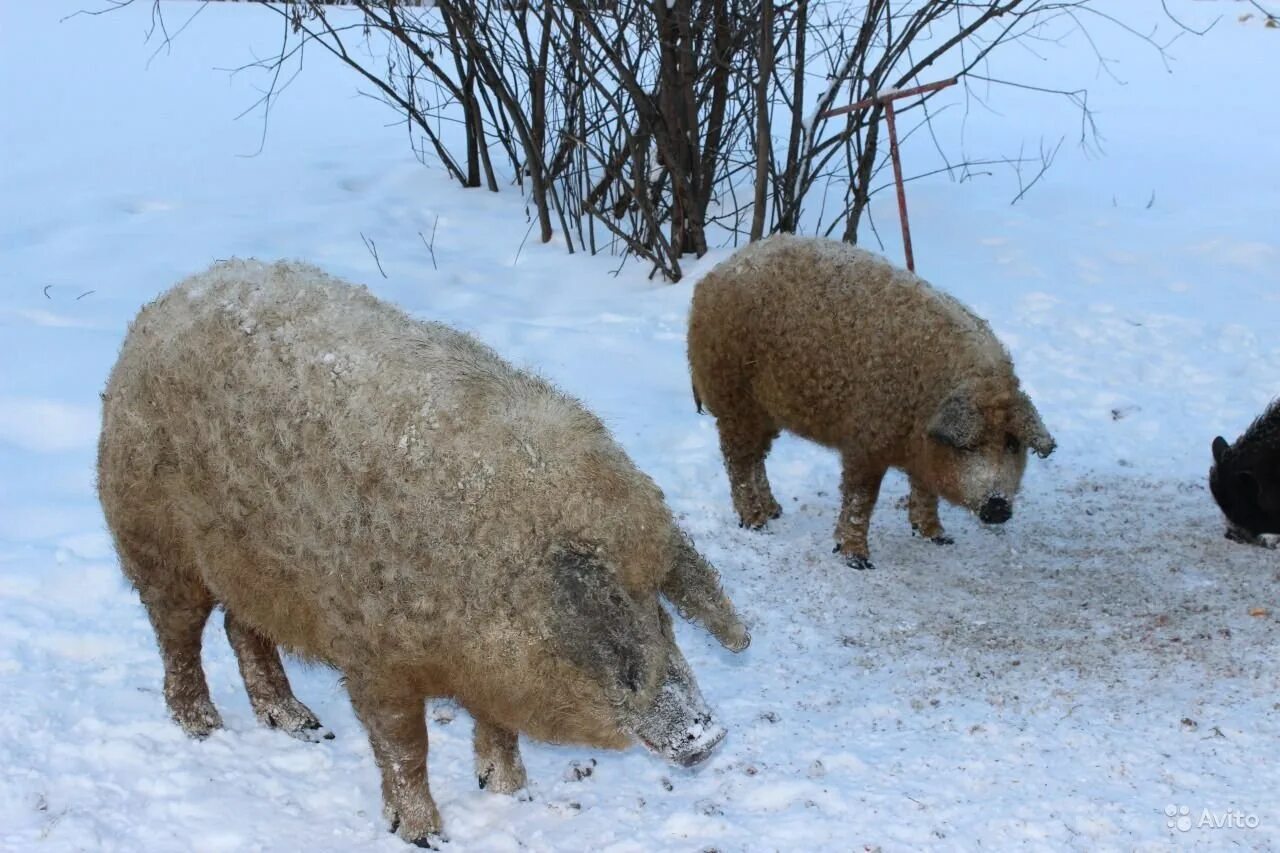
column 1046, row 160
column 520, row 248
column 167, row 44
column 113, row 5
column 431, row 244
column 373, row 250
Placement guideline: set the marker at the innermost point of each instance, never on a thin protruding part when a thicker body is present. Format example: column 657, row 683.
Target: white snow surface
column 1053, row 684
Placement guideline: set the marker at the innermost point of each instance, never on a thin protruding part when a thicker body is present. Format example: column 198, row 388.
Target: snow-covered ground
column 1054, row 684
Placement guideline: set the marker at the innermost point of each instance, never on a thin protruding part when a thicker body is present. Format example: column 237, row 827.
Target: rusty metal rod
column 887, row 98
column 897, row 179
column 892, row 94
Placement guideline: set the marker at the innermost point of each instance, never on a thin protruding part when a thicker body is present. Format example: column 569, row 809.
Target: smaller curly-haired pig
column 835, row 344
column 1245, row 479
column 389, row 497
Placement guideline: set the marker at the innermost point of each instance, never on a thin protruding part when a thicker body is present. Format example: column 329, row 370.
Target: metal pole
column 887, row 98
column 897, row 179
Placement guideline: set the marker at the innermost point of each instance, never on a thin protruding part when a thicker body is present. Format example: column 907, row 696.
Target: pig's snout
column 700, row 742
column 693, row 745
column 996, row 509
column 679, row 725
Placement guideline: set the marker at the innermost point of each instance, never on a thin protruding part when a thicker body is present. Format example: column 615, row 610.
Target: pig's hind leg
column 499, row 767
column 922, row 512
column 178, row 604
column 265, row 681
column 745, row 441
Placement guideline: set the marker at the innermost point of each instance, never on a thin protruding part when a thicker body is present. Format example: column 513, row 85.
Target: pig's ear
column 1031, row 429
column 958, row 422
column 693, row 586
column 596, row 623
column 1219, row 448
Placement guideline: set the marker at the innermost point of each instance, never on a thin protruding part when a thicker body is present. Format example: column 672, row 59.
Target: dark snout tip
column 995, row 510
column 690, row 747
column 703, row 750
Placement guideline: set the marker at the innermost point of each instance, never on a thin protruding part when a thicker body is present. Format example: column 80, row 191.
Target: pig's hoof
column 312, row 732
column 756, row 516
column 735, row 638
column 1244, row 537
column 419, row 825
column 506, row 777
column 294, row 719
column 1235, row 534
column 428, row 839
column 938, row 538
column 199, row 719
column 855, row 561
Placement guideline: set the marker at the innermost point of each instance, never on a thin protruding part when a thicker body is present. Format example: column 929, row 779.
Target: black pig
column 1245, row 479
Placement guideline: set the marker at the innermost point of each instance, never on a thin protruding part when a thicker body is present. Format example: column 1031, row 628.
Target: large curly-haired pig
column 1245, row 479
column 389, row 497
column 835, row 344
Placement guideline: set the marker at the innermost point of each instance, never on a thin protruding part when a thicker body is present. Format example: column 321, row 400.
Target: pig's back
column 336, row 468
column 829, row 337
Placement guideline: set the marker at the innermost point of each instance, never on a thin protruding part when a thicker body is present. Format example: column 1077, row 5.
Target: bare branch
column 373, row 250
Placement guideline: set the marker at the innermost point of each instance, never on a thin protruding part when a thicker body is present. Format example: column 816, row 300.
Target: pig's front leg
column 397, row 729
column 922, row 512
column 498, row 764
column 859, row 488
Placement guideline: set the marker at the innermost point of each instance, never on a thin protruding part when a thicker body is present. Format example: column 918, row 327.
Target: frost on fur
column 678, row 726
column 835, row 344
column 389, row 497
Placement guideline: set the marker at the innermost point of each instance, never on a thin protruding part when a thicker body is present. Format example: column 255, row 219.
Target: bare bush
column 642, row 126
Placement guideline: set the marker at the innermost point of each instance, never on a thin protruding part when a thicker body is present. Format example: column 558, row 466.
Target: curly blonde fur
column 389, row 497
column 835, row 344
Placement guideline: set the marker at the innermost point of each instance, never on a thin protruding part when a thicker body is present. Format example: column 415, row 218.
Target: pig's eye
column 1012, row 444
